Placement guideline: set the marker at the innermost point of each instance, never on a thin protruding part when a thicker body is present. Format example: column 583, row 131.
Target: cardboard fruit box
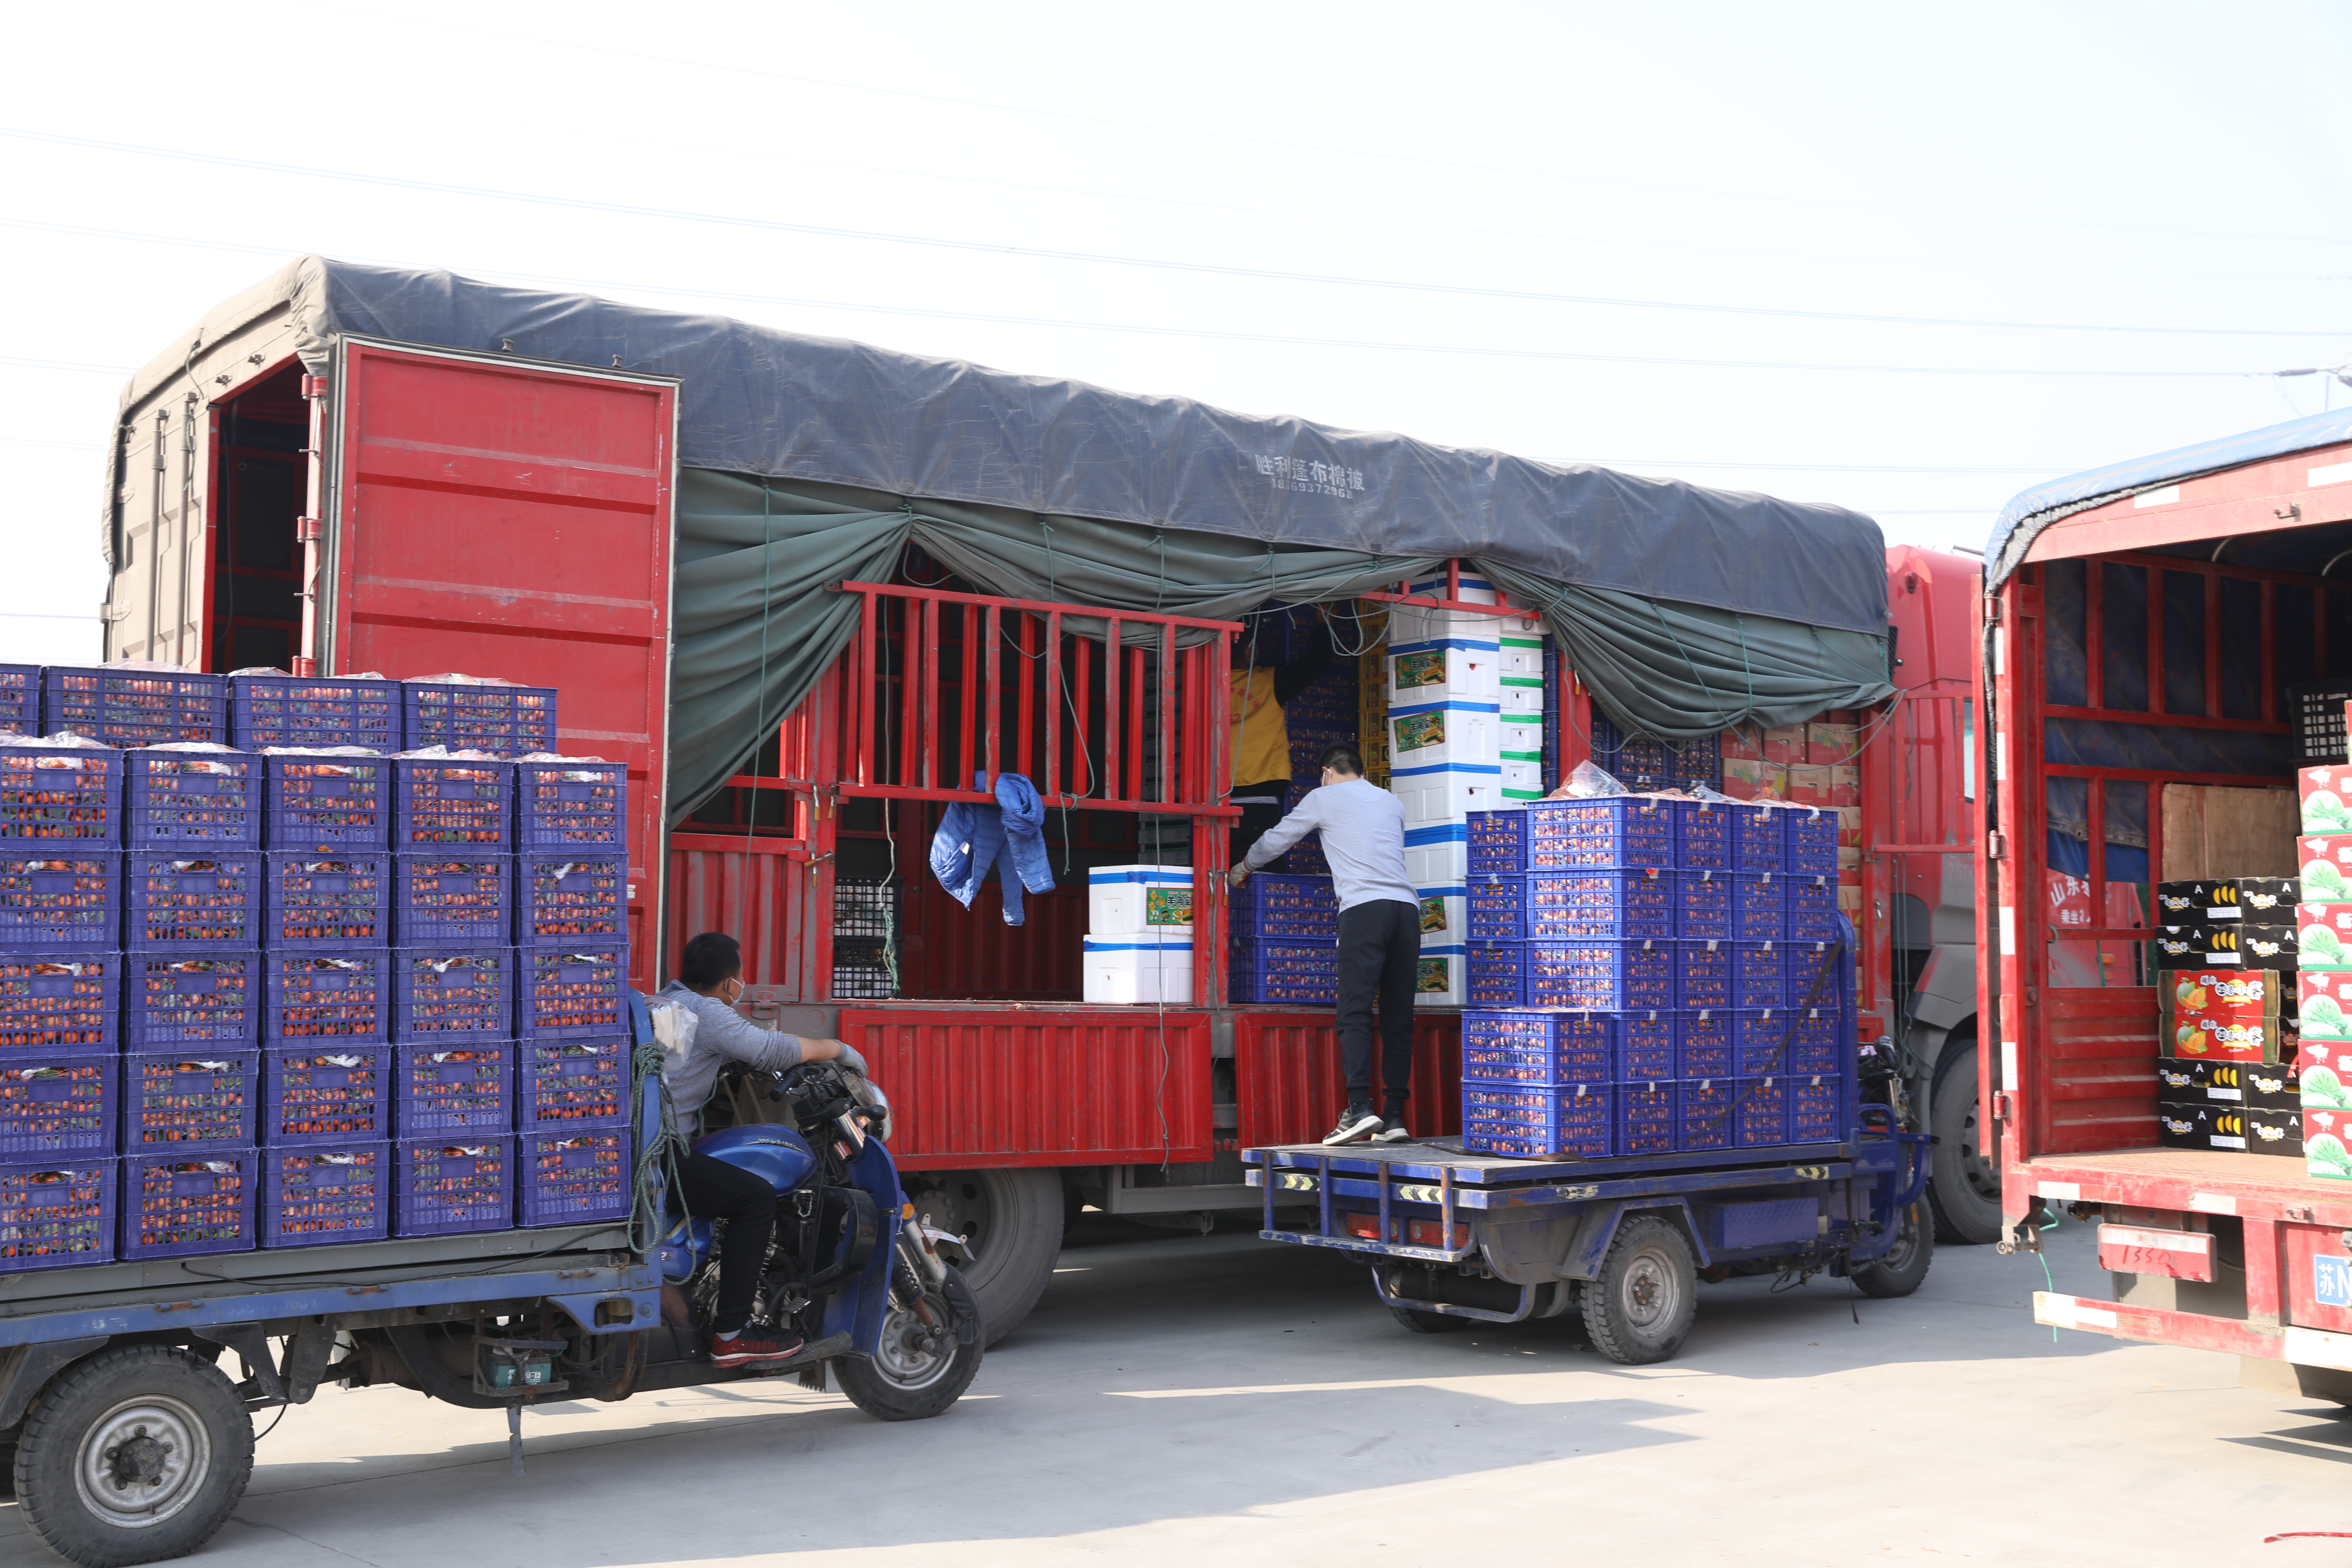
column 2323, row 936
column 2269, row 900
column 2323, row 1076
column 2323, row 1003
column 2324, row 1138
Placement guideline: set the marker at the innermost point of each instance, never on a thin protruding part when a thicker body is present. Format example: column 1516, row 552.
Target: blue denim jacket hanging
column 1010, row 835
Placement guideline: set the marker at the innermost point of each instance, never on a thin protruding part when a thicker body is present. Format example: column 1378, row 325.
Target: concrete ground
column 1219, row 1398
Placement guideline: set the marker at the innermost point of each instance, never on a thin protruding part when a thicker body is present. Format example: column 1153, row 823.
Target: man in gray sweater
column 1379, row 931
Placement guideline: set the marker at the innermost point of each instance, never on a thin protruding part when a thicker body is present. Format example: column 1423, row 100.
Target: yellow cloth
column 1261, row 741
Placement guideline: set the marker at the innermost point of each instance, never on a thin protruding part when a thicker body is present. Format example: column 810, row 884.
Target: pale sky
column 1638, row 236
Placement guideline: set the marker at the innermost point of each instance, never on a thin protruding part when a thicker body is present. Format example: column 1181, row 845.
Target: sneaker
column 1355, row 1122
column 753, row 1344
column 1394, row 1132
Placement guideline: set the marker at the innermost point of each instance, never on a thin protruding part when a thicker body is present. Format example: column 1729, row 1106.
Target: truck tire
column 135, row 1455
column 1904, row 1265
column 1640, row 1307
column 1963, row 1187
column 1012, row 1225
column 916, row 1371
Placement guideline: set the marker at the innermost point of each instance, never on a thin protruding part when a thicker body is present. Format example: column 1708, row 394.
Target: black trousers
column 1379, row 952
column 713, row 1189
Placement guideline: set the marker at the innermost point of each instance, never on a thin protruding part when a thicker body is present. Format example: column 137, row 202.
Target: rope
column 657, row 1168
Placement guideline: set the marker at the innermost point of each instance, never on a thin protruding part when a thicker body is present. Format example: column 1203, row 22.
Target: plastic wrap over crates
column 478, row 717
column 329, row 901
column 53, row 901
column 175, row 1000
column 193, row 800
column 561, row 899
column 454, row 1088
column 126, row 707
column 326, row 1094
column 187, row 1201
column 1612, row 904
column 267, row 710
column 60, row 798
column 318, row 1195
column 1531, row 1121
column 453, row 994
column 453, row 805
column 571, row 804
column 20, row 697
column 443, row 897
column 192, row 900
column 325, row 803
column 56, row 1105
column 344, row 995
column 577, row 992
column 57, row 1213
column 569, row 1178
column 448, row 1186
column 59, row 1002
column 1284, row 906
column 174, row 1100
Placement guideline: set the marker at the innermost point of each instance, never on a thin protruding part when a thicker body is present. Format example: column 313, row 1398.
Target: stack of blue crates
column 303, row 996
column 1654, row 976
column 1284, row 941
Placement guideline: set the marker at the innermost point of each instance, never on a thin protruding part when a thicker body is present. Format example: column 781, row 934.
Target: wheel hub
column 143, row 1462
column 912, row 1353
column 1649, row 1292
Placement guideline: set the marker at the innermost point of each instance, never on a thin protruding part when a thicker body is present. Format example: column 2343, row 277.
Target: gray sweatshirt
column 1363, row 837
column 722, row 1035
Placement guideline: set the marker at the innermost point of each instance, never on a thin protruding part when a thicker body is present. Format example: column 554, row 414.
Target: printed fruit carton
column 2324, row 1135
column 2323, row 1002
column 2326, row 862
column 2323, row 935
column 2323, row 1076
column 2273, row 1131
column 2325, row 791
column 2269, row 900
column 2268, row 946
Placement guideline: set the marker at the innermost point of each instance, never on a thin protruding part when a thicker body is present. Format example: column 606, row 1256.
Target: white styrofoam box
column 1452, row 667
column 1443, row 977
column 1411, row 623
column 1522, row 640
column 1522, row 737
column 1141, row 969
column 1450, row 733
column 1445, row 914
column 1522, row 781
column 1443, row 794
column 1470, row 590
column 1123, row 899
column 1437, row 862
column 1519, row 695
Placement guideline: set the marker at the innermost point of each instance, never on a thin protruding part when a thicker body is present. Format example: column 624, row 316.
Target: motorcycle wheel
column 916, row 1371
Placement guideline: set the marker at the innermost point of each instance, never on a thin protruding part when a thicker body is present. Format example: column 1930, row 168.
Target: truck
column 2163, row 646
column 808, row 590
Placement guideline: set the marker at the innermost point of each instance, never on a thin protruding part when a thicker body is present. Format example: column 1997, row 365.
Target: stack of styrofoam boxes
column 1521, row 699
column 1284, row 941
column 1139, row 942
column 1446, row 761
column 1670, row 939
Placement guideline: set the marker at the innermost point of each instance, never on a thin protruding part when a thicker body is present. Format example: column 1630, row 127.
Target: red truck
column 2165, row 644
column 348, row 469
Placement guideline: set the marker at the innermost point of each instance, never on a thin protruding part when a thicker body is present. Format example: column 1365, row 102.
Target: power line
column 65, row 366
column 1265, row 274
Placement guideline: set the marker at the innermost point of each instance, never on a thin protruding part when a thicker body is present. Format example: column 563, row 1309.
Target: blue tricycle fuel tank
column 778, row 1155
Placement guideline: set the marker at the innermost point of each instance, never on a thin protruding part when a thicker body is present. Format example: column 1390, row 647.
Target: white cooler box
column 1522, row 781
column 1520, row 694
column 1444, row 915
column 1122, row 901
column 1454, row 668
column 1437, row 795
column 1471, row 591
column 1444, row 976
column 1437, row 855
column 1522, row 640
column 1138, row 969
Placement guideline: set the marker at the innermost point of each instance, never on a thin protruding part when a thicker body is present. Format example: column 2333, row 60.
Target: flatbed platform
column 1440, row 1159
column 2264, row 1186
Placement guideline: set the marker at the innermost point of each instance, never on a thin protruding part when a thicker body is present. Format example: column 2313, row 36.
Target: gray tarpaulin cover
column 1684, row 608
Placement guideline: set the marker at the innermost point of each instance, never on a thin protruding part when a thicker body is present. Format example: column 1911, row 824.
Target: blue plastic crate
column 193, row 800
column 174, row 1100
column 1759, row 975
column 61, row 797
column 172, row 1000
column 1535, row 1120
column 1706, row 1043
column 1614, row 904
column 1497, row 842
column 1818, row 1112
column 57, row 1213
column 313, row 710
column 329, row 900
column 1760, row 907
column 184, row 1201
column 56, row 1105
column 344, row 995
column 337, row 1093
column 328, row 805
column 1497, row 974
column 315, row 1194
column 1812, row 909
column 1613, row 976
column 51, row 900
column 1762, row 1119
column 1784, row 1041
column 574, row 804
column 572, row 1083
column 576, row 993
column 1811, row 837
column 566, row 898
column 1248, row 985
column 1758, row 838
column 192, row 900
column 20, row 697
column 1704, row 1113
column 569, row 1178
column 456, row 805
column 1622, row 830
column 1809, row 987
column 1646, row 1046
column 506, row 719
column 1538, row 1047
column 59, row 1002
column 133, row 706
column 1285, row 905
column 1703, row 835
column 1703, row 906
column 448, row 1186
column 453, row 994
column 454, row 1088
column 445, row 897
column 1703, row 974
column 1646, row 1115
